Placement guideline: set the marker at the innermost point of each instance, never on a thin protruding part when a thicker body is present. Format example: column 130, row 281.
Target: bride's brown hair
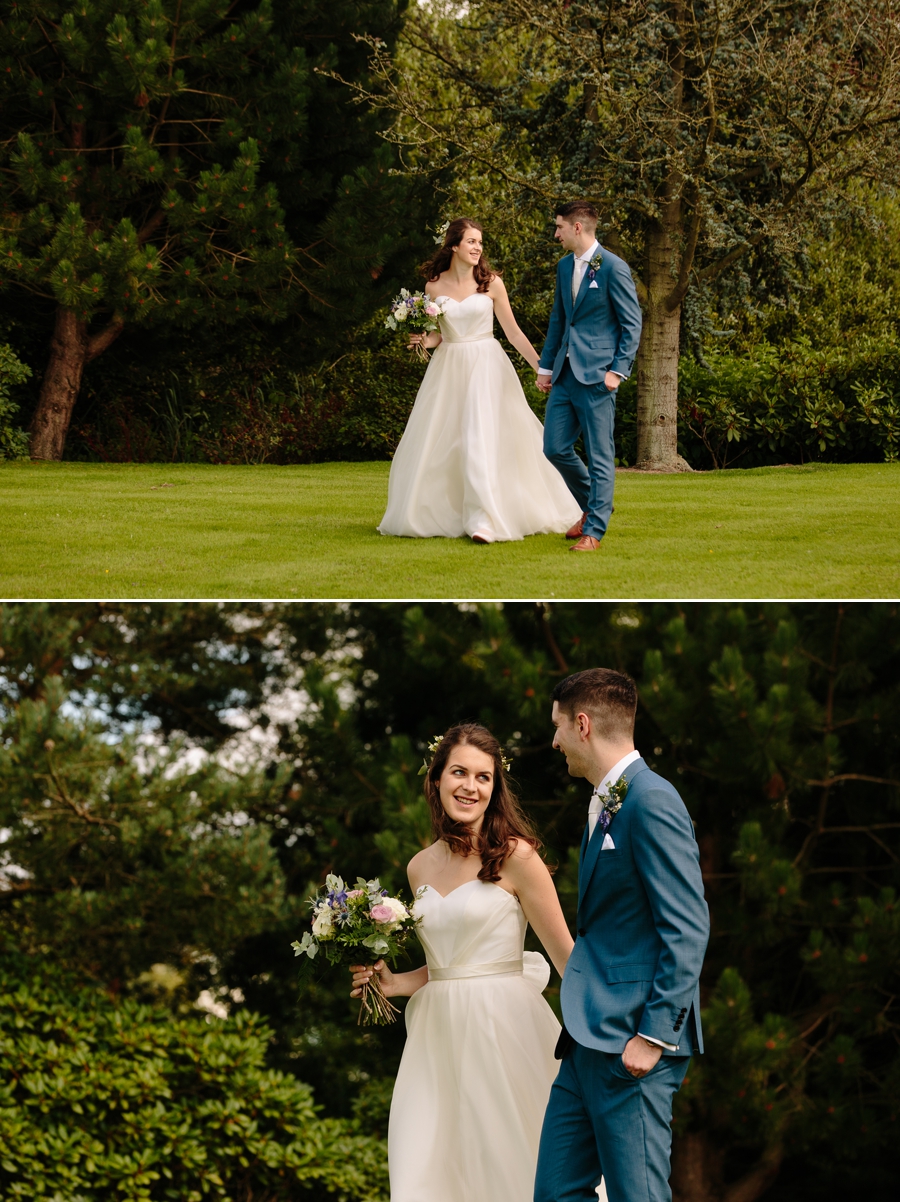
column 442, row 258
column 504, row 821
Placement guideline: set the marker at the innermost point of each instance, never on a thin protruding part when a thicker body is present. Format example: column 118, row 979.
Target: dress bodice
column 469, row 320
column 477, row 929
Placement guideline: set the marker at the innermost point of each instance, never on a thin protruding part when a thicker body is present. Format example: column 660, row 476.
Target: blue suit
column 597, row 332
column 643, row 927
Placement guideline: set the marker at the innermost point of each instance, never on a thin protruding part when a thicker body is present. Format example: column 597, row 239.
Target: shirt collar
column 589, row 253
column 616, row 771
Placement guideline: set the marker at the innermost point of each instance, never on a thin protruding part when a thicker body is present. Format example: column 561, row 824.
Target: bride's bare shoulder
column 496, row 287
column 418, row 867
column 433, row 287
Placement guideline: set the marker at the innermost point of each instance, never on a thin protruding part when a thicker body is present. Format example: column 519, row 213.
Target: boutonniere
column 594, row 266
column 612, row 802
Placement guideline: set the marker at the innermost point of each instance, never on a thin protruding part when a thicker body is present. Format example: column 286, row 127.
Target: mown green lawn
column 124, row 530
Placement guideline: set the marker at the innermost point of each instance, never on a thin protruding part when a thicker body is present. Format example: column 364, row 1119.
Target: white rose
column 401, row 314
column 323, row 924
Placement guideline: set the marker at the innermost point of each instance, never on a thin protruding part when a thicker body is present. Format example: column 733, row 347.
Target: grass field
column 123, row 530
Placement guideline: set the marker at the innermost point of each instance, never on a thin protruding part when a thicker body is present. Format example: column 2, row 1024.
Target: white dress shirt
column 580, row 266
column 598, row 804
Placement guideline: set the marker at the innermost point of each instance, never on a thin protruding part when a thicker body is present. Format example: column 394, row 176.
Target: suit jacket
column 601, row 329
column 643, row 926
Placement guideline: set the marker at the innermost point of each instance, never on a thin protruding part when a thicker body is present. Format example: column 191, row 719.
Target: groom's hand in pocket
column 640, row 1056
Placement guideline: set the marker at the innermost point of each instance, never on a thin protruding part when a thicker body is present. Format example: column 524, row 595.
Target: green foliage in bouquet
column 128, row 1101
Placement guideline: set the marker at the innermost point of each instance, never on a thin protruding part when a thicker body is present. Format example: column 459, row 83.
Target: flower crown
column 435, row 743
column 439, row 237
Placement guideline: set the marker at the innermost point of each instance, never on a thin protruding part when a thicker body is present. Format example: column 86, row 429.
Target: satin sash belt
column 500, row 968
column 474, row 338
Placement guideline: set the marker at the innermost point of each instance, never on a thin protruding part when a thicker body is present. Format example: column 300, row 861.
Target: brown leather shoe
column 575, row 531
column 586, row 543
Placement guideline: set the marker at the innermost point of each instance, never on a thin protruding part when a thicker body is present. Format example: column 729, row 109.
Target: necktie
column 576, row 277
column 595, row 809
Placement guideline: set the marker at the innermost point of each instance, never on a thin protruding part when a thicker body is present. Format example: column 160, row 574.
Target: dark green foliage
column 175, row 165
column 13, row 443
column 102, row 1100
column 258, row 409
column 134, row 137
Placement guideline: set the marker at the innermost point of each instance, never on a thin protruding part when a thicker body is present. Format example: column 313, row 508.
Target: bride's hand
column 431, row 339
column 363, row 973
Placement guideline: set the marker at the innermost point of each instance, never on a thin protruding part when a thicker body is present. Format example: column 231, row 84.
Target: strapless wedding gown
column 478, row 1064
column 471, row 457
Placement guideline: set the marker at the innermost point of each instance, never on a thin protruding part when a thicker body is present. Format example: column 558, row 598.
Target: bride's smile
column 466, row 785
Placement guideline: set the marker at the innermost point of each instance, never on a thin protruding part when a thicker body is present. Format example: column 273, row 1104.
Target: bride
column 478, row 1064
column 471, row 459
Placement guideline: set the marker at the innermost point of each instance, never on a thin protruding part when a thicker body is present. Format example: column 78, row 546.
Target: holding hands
column 612, row 380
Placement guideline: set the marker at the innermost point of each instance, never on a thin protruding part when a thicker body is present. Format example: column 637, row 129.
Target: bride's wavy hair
column 442, row 258
column 503, row 822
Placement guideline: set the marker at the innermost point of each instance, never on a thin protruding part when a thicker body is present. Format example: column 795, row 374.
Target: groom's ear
column 583, row 722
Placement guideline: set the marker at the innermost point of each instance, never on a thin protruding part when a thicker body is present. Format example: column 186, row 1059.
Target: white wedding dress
column 478, row 1064
column 471, row 457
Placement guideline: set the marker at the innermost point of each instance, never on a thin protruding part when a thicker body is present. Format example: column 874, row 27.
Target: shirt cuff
column 670, row 1047
column 545, row 371
column 617, row 373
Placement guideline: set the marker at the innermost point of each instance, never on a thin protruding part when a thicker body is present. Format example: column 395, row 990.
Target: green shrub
column 793, row 403
column 103, row 1101
column 13, row 439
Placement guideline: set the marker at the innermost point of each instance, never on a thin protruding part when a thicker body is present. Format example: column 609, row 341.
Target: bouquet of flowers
column 415, row 312
column 354, row 926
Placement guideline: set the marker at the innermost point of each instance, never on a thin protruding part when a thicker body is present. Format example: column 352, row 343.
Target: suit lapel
column 590, row 848
column 585, row 280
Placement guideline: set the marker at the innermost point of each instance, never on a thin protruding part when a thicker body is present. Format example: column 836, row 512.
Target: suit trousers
column 574, row 408
column 602, row 1122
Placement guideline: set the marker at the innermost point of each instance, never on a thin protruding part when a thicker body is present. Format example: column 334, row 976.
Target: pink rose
column 432, row 311
column 382, row 913
column 355, row 893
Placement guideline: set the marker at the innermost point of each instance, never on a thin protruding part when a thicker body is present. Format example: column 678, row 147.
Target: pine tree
column 150, row 151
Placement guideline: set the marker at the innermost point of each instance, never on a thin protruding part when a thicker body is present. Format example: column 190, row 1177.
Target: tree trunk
column 70, row 351
column 657, row 361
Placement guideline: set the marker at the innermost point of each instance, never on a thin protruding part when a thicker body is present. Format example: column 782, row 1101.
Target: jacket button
column 582, row 931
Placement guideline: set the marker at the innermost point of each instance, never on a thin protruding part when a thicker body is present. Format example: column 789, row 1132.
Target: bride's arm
column 497, row 293
column 530, row 878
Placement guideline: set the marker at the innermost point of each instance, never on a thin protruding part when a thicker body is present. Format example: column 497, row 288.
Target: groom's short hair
column 608, row 696
column 579, row 210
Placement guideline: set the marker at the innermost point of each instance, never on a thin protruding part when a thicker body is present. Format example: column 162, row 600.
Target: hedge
column 108, row 1100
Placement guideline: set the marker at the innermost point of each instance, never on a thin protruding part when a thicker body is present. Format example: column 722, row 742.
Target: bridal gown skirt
column 471, row 458
column 478, row 1064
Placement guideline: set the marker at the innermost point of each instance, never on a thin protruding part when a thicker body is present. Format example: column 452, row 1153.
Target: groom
column 630, row 997
column 592, row 339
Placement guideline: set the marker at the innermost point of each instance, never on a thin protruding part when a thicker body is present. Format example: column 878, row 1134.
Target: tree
column 103, row 1100
column 713, row 137
column 151, row 154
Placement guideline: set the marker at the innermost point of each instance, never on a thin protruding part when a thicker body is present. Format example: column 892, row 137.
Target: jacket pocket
column 618, row 974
